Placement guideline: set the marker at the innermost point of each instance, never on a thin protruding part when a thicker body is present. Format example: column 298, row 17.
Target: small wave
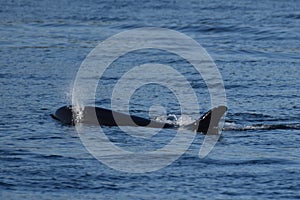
column 236, row 127
column 251, row 116
column 173, row 119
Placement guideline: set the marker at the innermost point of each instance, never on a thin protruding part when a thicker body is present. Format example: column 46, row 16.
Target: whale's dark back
column 102, row 116
column 207, row 124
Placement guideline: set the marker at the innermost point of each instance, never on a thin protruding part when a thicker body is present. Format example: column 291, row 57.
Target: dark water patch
column 5, row 75
column 42, row 137
column 289, row 16
column 268, row 161
column 236, row 86
column 11, row 159
column 6, row 185
column 206, row 28
column 13, row 152
column 51, row 156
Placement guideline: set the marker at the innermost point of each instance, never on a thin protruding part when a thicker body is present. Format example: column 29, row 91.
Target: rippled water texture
column 256, row 46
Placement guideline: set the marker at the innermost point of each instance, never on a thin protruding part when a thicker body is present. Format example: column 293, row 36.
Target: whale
column 208, row 123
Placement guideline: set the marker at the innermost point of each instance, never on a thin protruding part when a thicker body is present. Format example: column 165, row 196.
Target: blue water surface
column 256, row 46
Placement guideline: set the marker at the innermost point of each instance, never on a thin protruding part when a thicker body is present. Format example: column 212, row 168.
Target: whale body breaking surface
column 207, row 124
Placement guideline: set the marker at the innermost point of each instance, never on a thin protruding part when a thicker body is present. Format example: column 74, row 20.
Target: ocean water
column 256, row 46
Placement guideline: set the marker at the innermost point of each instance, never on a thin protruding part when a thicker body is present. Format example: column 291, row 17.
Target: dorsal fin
column 209, row 122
